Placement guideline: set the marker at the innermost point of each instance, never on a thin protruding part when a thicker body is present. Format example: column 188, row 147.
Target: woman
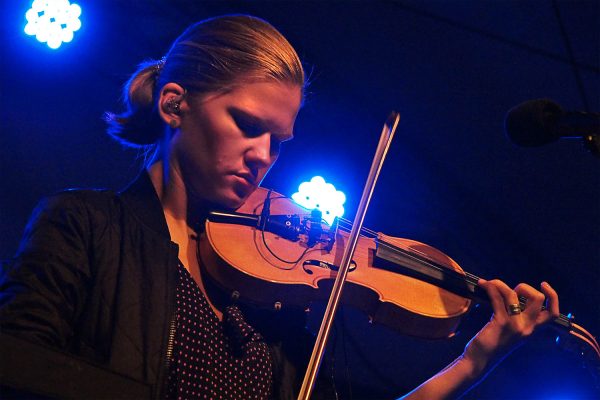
column 116, row 277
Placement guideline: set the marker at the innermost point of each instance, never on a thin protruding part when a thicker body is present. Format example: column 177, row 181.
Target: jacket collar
column 143, row 200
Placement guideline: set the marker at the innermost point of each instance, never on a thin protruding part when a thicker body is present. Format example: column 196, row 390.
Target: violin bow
column 387, row 134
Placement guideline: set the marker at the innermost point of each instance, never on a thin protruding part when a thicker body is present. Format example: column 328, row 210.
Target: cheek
column 199, row 144
column 219, row 144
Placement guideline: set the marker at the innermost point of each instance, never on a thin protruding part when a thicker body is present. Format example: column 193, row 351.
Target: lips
column 247, row 176
column 247, row 179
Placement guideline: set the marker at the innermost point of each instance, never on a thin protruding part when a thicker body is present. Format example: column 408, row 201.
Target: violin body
column 254, row 265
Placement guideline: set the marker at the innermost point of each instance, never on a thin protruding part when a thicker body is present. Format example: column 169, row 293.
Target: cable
column 565, row 37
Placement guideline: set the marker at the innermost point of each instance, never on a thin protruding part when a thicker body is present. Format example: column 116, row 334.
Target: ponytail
column 140, row 124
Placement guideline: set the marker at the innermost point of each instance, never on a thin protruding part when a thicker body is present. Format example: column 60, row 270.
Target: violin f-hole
column 324, row 265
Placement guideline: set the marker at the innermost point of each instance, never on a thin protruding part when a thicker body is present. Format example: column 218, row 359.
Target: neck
column 183, row 223
column 178, row 204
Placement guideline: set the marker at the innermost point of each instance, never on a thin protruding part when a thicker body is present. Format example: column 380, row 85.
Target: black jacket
column 95, row 276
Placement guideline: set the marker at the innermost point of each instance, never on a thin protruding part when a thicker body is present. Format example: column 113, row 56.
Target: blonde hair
column 210, row 56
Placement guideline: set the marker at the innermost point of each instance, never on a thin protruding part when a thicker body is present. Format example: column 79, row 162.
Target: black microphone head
column 533, row 123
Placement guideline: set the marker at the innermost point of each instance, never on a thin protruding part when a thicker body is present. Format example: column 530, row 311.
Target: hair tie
column 159, row 65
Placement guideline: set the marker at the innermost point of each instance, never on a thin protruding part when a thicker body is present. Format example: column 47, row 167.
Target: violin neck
column 412, row 264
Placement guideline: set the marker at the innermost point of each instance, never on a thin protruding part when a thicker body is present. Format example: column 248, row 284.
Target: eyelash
column 249, row 129
column 253, row 130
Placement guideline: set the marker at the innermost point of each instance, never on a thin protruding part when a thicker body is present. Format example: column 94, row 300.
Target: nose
column 259, row 153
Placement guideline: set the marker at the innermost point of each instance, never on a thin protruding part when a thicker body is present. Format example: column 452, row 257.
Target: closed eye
column 252, row 126
column 247, row 124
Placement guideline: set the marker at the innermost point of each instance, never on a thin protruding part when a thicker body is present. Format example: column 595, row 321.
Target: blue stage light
column 319, row 194
column 53, row 21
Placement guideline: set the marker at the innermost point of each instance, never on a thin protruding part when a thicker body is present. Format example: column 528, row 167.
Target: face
column 227, row 142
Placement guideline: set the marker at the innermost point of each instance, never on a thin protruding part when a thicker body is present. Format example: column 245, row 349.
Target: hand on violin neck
column 511, row 321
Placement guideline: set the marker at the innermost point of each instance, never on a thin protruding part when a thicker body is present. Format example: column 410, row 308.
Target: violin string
column 474, row 279
column 576, row 330
column 469, row 277
column 345, row 225
column 348, row 226
column 586, row 340
column 425, row 261
column 581, row 333
column 586, row 333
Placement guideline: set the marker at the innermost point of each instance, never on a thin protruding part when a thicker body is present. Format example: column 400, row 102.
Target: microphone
column 542, row 121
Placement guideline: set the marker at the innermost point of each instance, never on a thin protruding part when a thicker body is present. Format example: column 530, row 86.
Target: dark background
column 452, row 178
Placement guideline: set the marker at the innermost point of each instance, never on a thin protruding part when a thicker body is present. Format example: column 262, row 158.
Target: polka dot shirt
column 213, row 359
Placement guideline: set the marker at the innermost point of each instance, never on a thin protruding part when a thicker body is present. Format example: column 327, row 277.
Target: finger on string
column 500, row 294
column 535, row 300
column 508, row 294
column 552, row 304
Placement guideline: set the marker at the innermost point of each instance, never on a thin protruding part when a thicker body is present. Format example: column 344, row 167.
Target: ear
column 170, row 104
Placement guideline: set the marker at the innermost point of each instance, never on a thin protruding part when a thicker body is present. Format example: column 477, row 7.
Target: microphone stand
column 385, row 140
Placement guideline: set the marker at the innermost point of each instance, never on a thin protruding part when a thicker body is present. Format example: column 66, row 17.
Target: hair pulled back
column 210, row 56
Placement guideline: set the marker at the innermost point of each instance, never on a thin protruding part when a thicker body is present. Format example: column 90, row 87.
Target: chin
column 231, row 195
column 233, row 201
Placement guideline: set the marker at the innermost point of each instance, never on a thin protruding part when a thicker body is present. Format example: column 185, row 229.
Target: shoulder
column 75, row 210
column 99, row 212
column 80, row 197
column 78, row 201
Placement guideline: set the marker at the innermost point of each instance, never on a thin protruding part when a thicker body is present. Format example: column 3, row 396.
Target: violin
column 285, row 258
column 273, row 253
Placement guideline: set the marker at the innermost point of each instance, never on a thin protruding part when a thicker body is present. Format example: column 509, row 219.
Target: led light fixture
column 321, row 195
column 53, row 21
